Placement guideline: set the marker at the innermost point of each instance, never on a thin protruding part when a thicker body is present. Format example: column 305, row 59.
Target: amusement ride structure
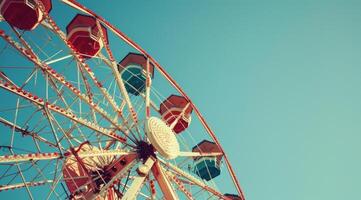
column 86, row 113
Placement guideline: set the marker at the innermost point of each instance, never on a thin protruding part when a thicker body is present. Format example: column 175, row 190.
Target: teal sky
column 278, row 81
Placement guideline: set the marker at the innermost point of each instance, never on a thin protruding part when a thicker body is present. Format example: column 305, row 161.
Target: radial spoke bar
column 192, row 179
column 152, row 104
column 28, row 157
column 120, row 173
column 53, row 107
column 163, row 182
column 22, row 185
column 138, row 181
column 179, row 116
column 116, row 74
column 147, row 90
column 58, row 59
column 56, row 138
column 180, row 186
column 26, row 132
column 106, row 153
column 79, row 58
column 51, row 72
column 55, row 155
column 199, row 154
column 140, row 193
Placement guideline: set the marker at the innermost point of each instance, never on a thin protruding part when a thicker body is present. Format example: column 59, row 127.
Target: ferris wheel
column 86, row 113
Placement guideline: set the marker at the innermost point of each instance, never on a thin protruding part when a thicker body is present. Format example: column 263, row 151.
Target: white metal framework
column 71, row 130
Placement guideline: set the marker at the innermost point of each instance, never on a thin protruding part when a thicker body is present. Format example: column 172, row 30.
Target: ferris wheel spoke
column 22, row 185
column 26, row 132
column 124, row 102
column 87, row 98
column 124, row 38
column 49, row 62
column 163, row 182
column 140, row 193
column 37, row 62
column 181, row 186
column 33, row 73
column 79, row 59
column 119, row 80
column 192, row 179
column 66, row 134
column 199, row 154
column 56, row 138
column 22, row 177
column 54, row 185
column 29, row 157
column 68, row 107
column 174, row 123
column 51, row 72
column 22, row 41
column 40, row 172
column 31, row 116
column 57, row 109
column 55, row 155
column 13, row 86
column 148, row 84
column 152, row 104
column 138, row 181
column 120, row 172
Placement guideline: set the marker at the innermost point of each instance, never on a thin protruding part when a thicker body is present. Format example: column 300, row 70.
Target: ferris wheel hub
column 162, row 138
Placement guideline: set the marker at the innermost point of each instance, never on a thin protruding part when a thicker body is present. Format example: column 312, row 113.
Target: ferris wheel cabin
column 133, row 72
column 173, row 108
column 232, row 196
column 76, row 174
column 207, row 168
column 23, row 14
column 85, row 36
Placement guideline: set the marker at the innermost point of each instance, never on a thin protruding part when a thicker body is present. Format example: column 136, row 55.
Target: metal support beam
column 193, row 179
column 138, row 181
column 163, row 182
column 22, row 185
column 199, row 154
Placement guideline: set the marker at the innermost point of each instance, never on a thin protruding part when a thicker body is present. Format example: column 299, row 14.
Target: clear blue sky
column 278, row 81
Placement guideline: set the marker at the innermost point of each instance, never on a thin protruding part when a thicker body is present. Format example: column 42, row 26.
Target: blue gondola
column 233, row 196
column 134, row 78
column 132, row 69
column 207, row 168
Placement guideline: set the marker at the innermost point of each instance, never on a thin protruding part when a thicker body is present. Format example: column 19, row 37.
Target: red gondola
column 172, row 108
column 23, row 14
column 85, row 36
